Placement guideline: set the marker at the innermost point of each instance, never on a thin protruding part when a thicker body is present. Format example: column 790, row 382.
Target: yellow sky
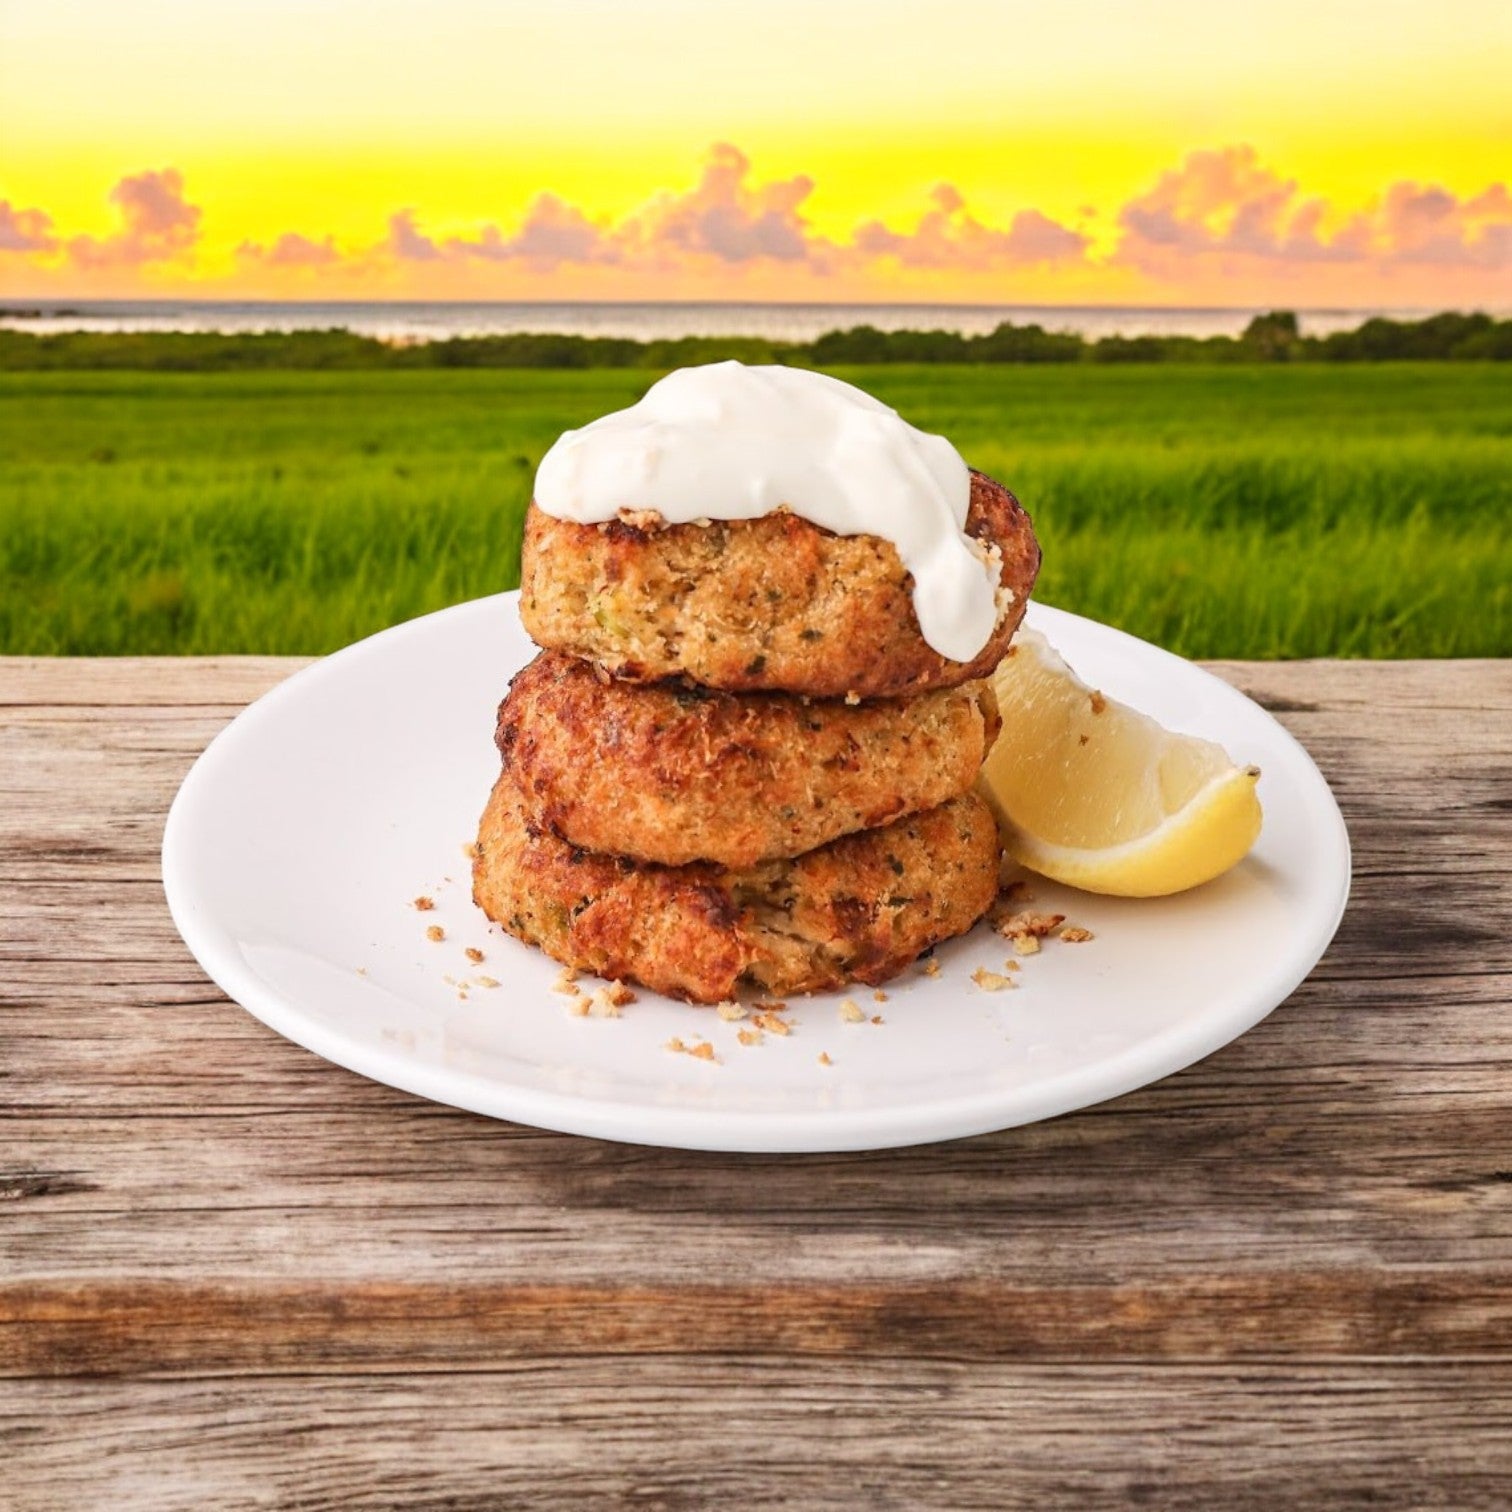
column 326, row 117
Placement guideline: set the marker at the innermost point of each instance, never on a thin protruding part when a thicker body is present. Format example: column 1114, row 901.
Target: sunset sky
column 1302, row 152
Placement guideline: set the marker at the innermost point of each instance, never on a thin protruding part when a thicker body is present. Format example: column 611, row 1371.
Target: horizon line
column 9, row 304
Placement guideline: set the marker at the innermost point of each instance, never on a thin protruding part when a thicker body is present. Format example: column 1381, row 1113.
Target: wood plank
column 1336, row 1166
column 675, row 1433
column 164, row 1328
column 140, row 682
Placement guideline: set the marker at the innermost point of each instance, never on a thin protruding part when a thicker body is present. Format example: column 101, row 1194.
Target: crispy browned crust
column 858, row 909
column 773, row 603
column 671, row 773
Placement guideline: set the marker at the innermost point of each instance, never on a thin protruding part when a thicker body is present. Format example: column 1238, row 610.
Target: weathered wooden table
column 231, row 1274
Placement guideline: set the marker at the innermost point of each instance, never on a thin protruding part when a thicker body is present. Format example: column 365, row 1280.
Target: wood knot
column 15, row 1185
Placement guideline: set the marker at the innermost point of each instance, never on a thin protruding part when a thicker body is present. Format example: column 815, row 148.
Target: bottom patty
column 858, row 909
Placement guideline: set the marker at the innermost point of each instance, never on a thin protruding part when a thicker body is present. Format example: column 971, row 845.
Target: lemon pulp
column 1091, row 792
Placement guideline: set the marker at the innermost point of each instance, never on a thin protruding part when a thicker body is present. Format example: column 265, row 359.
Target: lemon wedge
column 1095, row 794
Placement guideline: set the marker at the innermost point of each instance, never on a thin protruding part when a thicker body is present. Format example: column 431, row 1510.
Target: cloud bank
column 1228, row 205
column 732, row 220
column 1221, row 220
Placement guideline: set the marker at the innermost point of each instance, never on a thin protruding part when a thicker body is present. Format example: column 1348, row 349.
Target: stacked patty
column 737, row 762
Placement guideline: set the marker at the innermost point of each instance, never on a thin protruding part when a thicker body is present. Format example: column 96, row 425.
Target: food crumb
column 931, row 967
column 851, row 1013
column 579, row 1006
column 991, row 981
column 472, row 850
column 773, row 1025
column 565, row 981
column 876, row 1018
column 487, row 981
column 824, row 1059
column 1038, row 925
column 1026, row 944
column 473, row 954
column 699, row 1049
column 1099, row 703
column 1074, row 934
column 601, row 1005
column 879, row 996
column 361, row 971
column 730, row 1012
column 435, row 934
column 748, row 1036
column 642, row 519
column 423, row 903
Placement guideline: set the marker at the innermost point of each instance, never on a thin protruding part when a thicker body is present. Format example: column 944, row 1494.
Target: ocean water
column 428, row 321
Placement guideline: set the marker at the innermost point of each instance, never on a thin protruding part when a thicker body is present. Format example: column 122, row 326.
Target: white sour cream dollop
column 731, row 442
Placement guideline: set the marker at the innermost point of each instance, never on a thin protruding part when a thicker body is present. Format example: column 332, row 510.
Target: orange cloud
column 291, row 250
column 552, row 233
column 1227, row 206
column 407, row 242
column 25, row 230
column 949, row 237
column 158, row 224
column 1431, row 226
column 726, row 216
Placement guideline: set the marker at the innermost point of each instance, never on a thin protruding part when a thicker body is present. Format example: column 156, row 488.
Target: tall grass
column 1285, row 511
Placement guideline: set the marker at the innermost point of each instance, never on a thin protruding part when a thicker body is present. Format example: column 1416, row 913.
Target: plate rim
column 1138, row 1065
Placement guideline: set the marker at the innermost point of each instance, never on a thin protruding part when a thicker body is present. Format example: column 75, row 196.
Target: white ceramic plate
column 300, row 839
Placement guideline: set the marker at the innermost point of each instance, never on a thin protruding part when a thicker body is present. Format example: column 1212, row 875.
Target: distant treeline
column 1268, row 338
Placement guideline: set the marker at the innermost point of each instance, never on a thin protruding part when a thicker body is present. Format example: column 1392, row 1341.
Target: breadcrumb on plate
column 991, row 981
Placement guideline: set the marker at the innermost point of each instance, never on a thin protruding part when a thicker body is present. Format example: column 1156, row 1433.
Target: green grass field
column 1221, row 511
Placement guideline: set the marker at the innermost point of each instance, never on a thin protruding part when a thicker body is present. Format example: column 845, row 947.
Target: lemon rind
column 1162, row 861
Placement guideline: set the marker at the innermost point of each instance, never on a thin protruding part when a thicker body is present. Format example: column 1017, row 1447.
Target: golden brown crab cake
column 774, row 603
column 858, row 909
column 673, row 773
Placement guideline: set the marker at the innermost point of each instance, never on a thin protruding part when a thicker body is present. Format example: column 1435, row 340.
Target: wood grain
column 231, row 1274
column 673, row 1433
